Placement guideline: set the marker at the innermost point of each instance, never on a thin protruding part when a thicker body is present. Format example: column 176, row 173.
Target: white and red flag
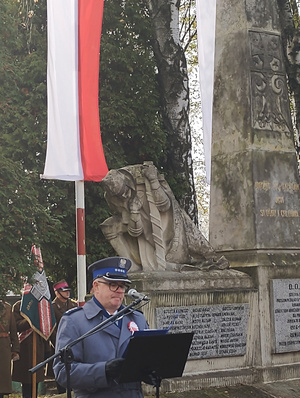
column 74, row 146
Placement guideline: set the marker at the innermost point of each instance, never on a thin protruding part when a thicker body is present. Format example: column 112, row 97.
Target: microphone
column 132, row 293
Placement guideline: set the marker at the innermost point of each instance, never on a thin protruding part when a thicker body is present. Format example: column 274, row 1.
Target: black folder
column 163, row 356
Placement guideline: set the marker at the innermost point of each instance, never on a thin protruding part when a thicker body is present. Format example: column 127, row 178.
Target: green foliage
column 40, row 211
column 129, row 94
column 188, row 30
column 21, row 216
column 289, row 19
column 47, row 206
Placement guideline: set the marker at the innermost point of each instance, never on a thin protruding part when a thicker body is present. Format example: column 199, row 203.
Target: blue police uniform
column 87, row 375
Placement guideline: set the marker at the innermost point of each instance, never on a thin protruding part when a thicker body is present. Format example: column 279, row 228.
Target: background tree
column 134, row 126
column 174, row 94
column 290, row 24
column 23, row 143
column 21, row 217
column 188, row 38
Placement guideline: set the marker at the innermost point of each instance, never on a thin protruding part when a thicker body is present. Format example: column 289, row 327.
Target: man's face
column 105, row 294
column 63, row 294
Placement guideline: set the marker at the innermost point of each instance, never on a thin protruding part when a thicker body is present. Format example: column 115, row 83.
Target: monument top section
column 255, row 178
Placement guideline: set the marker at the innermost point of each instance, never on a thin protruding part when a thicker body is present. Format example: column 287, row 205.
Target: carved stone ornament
column 269, row 94
column 149, row 227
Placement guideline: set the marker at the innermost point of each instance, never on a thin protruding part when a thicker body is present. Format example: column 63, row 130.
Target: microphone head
column 134, row 294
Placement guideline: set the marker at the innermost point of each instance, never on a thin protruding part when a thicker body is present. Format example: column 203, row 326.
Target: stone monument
column 254, row 210
column 190, row 286
column 246, row 318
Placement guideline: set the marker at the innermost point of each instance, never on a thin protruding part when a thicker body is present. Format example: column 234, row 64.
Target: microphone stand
column 66, row 354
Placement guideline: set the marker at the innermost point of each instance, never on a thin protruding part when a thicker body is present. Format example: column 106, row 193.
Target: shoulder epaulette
column 70, row 311
column 137, row 310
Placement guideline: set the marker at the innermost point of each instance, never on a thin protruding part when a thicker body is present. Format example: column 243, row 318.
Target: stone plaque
column 220, row 330
column 276, row 194
column 286, row 314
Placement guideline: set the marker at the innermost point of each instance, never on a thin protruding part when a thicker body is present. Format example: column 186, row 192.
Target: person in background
column 98, row 358
column 9, row 347
column 61, row 304
column 21, row 368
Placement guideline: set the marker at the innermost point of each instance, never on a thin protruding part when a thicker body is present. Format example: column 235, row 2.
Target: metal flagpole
column 80, row 239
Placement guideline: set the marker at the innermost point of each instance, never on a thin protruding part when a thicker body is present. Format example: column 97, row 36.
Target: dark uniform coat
column 21, row 368
column 59, row 308
column 88, row 378
column 8, row 343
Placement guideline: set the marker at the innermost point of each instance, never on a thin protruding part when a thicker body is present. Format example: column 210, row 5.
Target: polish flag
column 74, row 146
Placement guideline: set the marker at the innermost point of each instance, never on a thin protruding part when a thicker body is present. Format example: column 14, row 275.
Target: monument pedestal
column 220, row 307
column 232, row 314
column 278, row 321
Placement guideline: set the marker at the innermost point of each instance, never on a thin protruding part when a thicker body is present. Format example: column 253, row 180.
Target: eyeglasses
column 113, row 286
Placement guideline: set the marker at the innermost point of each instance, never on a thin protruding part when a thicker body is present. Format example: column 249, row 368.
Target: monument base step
column 230, row 377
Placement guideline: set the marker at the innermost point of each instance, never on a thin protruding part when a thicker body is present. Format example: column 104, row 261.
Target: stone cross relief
column 269, row 94
column 149, row 227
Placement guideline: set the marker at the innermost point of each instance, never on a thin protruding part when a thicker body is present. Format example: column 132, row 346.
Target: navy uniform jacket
column 88, row 377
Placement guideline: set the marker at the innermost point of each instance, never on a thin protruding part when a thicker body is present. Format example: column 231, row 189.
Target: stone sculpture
column 149, row 227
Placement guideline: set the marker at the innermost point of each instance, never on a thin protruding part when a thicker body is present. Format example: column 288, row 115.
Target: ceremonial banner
column 74, row 146
column 206, row 23
column 36, row 305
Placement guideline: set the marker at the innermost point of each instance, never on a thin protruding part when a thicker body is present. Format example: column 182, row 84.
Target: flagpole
column 80, row 235
column 33, row 386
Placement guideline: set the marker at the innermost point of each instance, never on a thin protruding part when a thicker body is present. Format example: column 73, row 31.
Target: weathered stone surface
column 148, row 225
column 255, row 180
column 188, row 281
column 218, row 293
column 255, row 207
column 288, row 389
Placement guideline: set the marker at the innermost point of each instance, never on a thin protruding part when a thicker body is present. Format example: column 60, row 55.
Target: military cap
column 62, row 286
column 112, row 269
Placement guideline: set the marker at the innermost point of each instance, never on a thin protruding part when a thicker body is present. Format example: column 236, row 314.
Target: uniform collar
column 92, row 308
column 105, row 313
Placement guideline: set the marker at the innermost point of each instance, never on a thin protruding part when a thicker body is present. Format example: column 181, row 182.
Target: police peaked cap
column 113, row 269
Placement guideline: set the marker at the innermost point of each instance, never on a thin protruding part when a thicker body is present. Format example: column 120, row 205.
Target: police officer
column 97, row 358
